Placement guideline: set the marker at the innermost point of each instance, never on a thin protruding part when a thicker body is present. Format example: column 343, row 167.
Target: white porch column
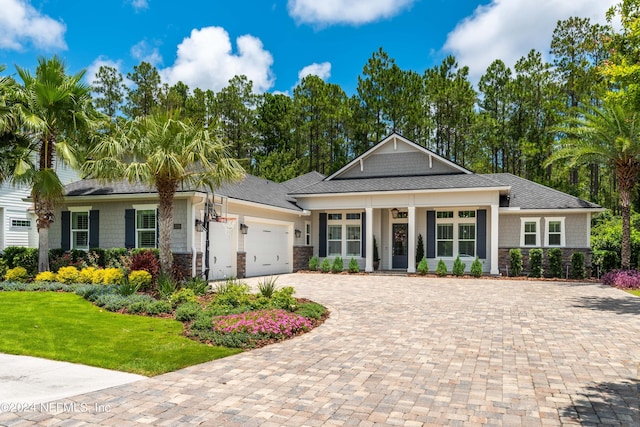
column 368, row 267
column 494, row 240
column 411, row 266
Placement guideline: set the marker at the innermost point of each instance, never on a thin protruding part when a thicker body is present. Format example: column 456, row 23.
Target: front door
column 399, row 259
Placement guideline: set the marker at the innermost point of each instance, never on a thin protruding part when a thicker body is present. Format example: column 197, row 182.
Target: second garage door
column 269, row 248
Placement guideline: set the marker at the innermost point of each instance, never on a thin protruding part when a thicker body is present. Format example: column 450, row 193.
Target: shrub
column 86, row 275
column 535, row 262
column 441, row 269
column 325, row 265
column 232, row 294
column 314, row 262
column 423, row 266
column 311, row 310
column 117, row 258
column 141, row 279
column 458, row 267
column 97, row 258
column 554, row 255
column 3, row 267
column 148, row 261
column 198, row 285
column 577, row 266
column 267, row 287
column 419, row 249
column 337, row 265
column 16, row 274
column 128, row 288
column 166, row 285
column 476, row 268
column 624, row 279
column 264, row 323
column 19, row 256
column 353, row 266
column 159, row 307
column 187, row 311
column 68, row 275
column 182, row 296
column 283, row 298
column 97, row 277
column 112, row 276
column 46, row 276
column 515, row 262
column 202, row 321
column 112, row 302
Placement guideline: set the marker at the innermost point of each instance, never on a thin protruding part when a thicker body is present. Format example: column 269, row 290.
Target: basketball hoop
column 225, row 219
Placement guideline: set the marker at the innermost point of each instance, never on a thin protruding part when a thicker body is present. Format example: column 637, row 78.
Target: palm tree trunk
column 43, row 249
column 166, row 192
column 627, row 173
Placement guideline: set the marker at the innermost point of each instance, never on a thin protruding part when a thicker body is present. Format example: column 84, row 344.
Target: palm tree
column 51, row 112
column 608, row 135
column 166, row 153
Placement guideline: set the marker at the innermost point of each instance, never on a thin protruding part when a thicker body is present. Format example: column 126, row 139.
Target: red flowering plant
column 269, row 323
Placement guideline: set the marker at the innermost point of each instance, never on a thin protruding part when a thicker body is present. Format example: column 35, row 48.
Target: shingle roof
column 426, row 182
column 527, row 194
column 250, row 189
column 303, row 180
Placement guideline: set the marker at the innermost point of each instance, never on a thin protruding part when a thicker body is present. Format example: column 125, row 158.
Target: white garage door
column 269, row 249
column 222, row 250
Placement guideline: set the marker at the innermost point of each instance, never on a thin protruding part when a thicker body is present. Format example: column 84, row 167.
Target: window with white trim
column 530, row 232
column 21, row 223
column 307, row 233
column 80, row 230
column 554, row 235
column 146, row 228
column 344, row 234
column 456, row 233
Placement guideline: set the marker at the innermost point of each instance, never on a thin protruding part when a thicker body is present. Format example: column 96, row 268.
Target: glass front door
column 399, row 257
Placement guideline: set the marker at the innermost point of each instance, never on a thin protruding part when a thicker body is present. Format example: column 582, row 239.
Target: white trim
column 404, row 192
column 79, row 208
column 411, row 253
column 523, row 220
column 145, row 207
column 563, row 241
column 494, row 239
column 518, row 211
column 369, row 236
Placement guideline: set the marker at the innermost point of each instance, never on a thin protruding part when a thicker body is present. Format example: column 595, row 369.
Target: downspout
column 194, row 212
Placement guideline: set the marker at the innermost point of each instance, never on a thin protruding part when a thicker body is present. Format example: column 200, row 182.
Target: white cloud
column 351, row 12
column 206, row 60
column 509, row 29
column 322, row 70
column 21, row 23
column 143, row 52
column 94, row 67
column 140, row 4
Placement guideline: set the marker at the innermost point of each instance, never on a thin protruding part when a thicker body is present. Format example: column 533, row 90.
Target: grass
column 635, row 292
column 64, row 326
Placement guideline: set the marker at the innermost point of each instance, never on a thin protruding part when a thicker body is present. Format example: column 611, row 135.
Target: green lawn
column 64, row 326
column 635, row 292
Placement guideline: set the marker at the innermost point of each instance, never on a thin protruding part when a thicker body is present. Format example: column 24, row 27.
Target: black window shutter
column 130, row 228
column 65, row 224
column 481, row 231
column 322, row 236
column 94, row 229
column 431, row 234
column 363, row 234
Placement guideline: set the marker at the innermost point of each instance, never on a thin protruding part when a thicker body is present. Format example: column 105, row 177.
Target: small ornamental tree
column 577, row 266
column 338, row 265
column 314, row 262
column 441, row 269
column 515, row 261
column 555, row 262
column 353, row 266
column 325, row 265
column 458, row 267
column 476, row 268
column 423, row 266
column 535, row 262
column 419, row 249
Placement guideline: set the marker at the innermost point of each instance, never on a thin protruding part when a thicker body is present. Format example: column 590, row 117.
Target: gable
column 396, row 156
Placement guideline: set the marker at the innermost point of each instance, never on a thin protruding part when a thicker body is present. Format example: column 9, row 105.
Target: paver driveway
column 407, row 351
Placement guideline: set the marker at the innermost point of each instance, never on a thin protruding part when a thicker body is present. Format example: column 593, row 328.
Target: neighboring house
column 16, row 212
column 394, row 192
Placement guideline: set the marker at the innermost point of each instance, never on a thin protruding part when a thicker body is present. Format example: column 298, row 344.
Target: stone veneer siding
column 504, row 260
column 242, row 265
column 301, row 257
column 182, row 263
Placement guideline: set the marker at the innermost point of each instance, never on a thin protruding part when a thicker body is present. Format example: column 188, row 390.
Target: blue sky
column 276, row 42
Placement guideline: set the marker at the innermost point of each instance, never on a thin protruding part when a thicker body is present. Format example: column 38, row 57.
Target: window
column 529, row 235
column 456, row 233
column 307, row 233
column 444, row 240
column 353, row 240
column 335, row 240
column 467, row 240
column 80, row 230
column 555, row 232
column 20, row 223
column 344, row 234
column 146, row 228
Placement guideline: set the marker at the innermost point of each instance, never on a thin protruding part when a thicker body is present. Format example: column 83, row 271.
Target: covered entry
column 269, row 247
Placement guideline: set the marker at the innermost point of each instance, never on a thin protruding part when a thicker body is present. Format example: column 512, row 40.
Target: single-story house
column 392, row 193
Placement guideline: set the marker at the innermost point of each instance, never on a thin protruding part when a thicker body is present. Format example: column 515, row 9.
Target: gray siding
column 575, row 229
column 398, row 164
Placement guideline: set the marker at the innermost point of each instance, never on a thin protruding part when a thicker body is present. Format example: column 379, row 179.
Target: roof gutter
column 386, row 192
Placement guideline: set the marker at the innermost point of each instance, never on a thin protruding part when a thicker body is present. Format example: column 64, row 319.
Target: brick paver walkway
column 407, row 351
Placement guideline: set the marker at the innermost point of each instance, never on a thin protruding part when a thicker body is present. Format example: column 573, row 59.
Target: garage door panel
column 221, row 251
column 268, row 249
